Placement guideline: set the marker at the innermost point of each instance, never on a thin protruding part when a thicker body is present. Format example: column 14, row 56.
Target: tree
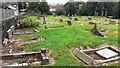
column 116, row 10
column 71, row 8
column 59, row 10
column 88, row 8
column 38, row 7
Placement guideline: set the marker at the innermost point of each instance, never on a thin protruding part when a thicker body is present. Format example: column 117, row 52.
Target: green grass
column 61, row 40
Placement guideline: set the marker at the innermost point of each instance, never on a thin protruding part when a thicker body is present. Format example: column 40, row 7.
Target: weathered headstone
column 91, row 23
column 95, row 31
column 70, row 18
column 46, row 27
column 44, row 21
column 61, row 20
column 13, row 28
column 5, row 41
column 43, row 51
column 76, row 19
column 68, row 15
column 69, row 23
column 89, row 18
column 9, row 33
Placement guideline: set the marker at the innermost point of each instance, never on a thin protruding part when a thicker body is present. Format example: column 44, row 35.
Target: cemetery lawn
column 62, row 40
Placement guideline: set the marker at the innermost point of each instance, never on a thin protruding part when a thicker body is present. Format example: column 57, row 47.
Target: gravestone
column 75, row 19
column 9, row 32
column 44, row 21
column 70, row 18
column 43, row 51
column 61, row 20
column 95, row 31
column 38, row 17
column 89, row 18
column 68, row 15
column 13, row 28
column 112, row 22
column 5, row 41
column 69, row 23
column 54, row 15
column 91, row 23
column 46, row 27
column 45, row 61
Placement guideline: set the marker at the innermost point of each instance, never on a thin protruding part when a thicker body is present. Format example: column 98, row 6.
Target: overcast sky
column 60, row 1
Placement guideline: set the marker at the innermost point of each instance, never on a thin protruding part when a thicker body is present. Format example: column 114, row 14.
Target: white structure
column 107, row 53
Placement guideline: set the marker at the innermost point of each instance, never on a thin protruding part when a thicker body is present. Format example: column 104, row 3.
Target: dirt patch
column 15, row 46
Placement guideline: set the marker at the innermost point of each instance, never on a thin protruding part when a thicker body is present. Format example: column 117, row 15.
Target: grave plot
column 16, row 46
column 27, row 59
column 98, row 56
column 26, row 32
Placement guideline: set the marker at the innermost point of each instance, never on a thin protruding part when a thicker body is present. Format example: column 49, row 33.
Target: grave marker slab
column 106, row 53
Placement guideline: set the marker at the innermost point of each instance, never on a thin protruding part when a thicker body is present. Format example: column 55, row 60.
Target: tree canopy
column 38, row 7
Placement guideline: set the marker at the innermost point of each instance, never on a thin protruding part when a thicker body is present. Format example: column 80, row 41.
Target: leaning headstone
column 89, row 18
column 13, row 28
column 91, row 23
column 112, row 22
column 9, row 33
column 76, row 19
column 69, row 23
column 95, row 31
column 44, row 21
column 68, row 15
